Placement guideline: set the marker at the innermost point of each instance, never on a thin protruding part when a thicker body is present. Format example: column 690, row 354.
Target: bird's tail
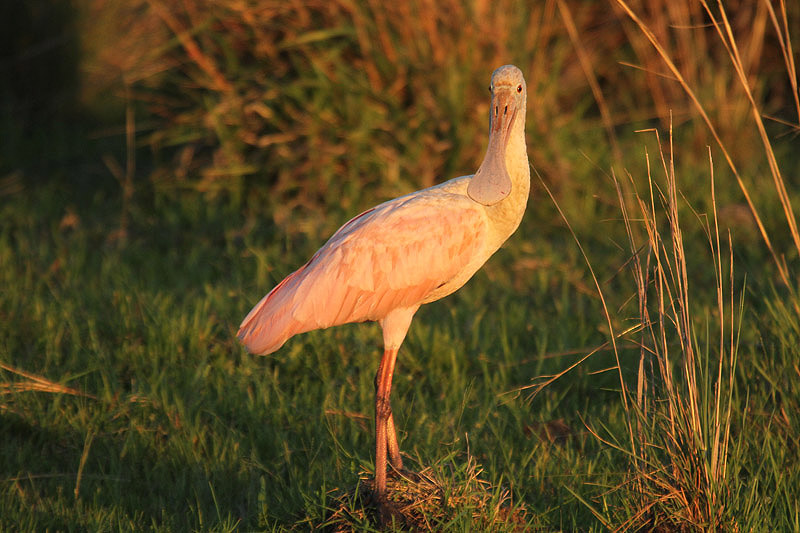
column 270, row 323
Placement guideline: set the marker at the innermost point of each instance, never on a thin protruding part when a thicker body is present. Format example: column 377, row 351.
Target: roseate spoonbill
column 386, row 262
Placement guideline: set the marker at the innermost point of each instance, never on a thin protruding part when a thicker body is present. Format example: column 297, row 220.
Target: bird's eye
column 519, row 88
column 490, row 88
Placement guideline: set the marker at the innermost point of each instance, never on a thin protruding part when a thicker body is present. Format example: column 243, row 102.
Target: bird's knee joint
column 383, row 409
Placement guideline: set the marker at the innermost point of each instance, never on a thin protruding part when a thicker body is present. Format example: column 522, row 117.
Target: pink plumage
column 392, row 256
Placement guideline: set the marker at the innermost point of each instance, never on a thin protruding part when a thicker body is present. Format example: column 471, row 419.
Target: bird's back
column 400, row 254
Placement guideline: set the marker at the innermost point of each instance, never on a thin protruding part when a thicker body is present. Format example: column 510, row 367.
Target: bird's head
column 491, row 182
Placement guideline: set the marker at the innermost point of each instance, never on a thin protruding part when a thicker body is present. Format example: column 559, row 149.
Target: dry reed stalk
column 667, row 59
column 785, row 40
column 725, row 32
column 36, row 383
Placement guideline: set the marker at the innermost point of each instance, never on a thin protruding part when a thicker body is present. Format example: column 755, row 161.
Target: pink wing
column 389, row 257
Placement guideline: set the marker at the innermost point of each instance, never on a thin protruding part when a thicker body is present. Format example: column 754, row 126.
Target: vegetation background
column 628, row 361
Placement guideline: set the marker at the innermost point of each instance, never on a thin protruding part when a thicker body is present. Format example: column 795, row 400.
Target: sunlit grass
column 248, row 132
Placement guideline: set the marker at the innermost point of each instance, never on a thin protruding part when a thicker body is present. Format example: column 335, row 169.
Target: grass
column 126, row 265
column 188, row 432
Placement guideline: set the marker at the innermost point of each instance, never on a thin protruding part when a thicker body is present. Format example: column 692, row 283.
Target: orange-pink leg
column 394, row 447
column 385, row 435
column 395, row 326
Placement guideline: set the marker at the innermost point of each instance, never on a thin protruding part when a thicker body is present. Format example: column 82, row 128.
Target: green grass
column 181, row 429
column 185, row 430
column 126, row 403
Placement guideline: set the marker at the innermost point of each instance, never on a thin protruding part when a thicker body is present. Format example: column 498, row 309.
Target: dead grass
column 32, row 382
column 681, row 416
column 428, row 500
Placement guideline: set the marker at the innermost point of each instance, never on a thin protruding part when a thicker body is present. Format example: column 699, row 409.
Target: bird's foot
column 389, row 513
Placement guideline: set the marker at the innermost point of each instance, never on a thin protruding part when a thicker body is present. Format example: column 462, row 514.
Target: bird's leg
column 391, row 442
column 385, row 438
column 391, row 435
column 395, row 326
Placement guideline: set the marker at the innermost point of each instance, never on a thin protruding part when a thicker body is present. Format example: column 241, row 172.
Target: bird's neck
column 507, row 214
column 517, row 161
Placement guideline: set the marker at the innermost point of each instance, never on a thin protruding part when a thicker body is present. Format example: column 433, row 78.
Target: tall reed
column 684, row 389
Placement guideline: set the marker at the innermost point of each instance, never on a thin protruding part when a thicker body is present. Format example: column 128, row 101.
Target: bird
column 386, row 262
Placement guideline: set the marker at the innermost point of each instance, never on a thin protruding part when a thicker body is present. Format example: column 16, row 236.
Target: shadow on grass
column 129, row 479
